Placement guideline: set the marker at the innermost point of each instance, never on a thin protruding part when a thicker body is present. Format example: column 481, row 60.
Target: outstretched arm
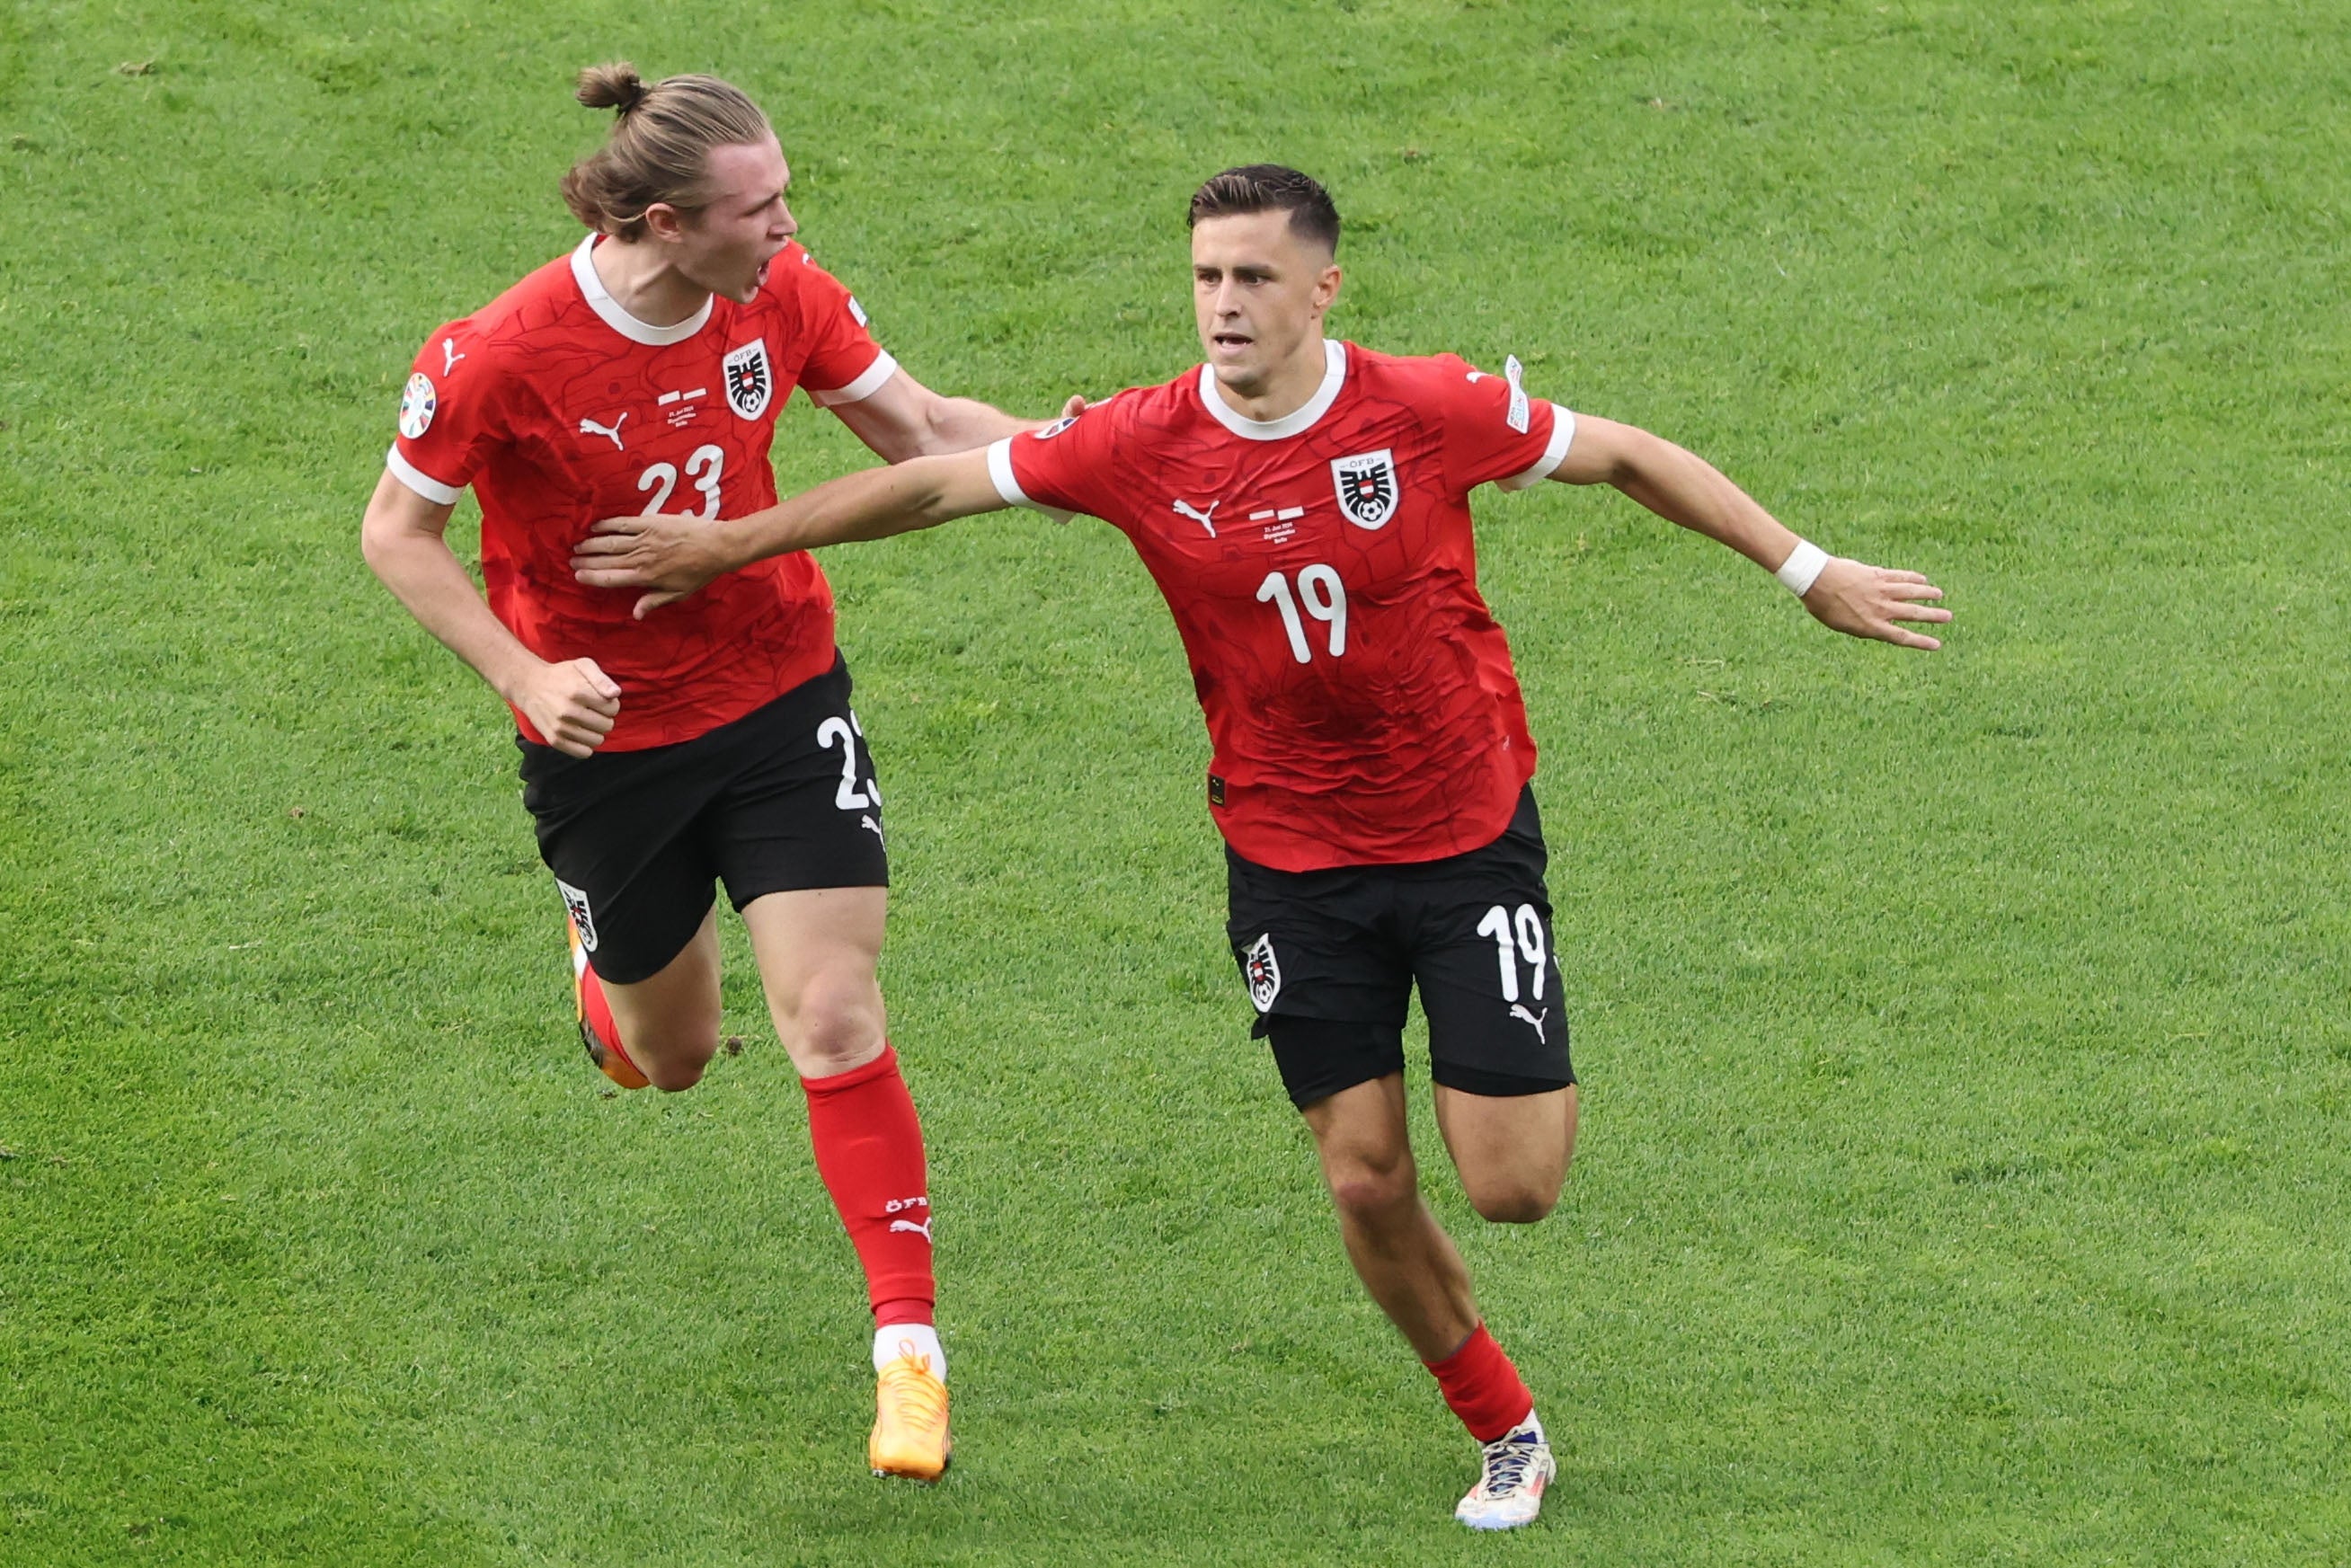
column 906, row 419
column 1851, row 596
column 672, row 555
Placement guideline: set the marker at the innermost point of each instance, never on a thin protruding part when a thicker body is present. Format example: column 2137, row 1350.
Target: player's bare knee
column 833, row 1026
column 1514, row 1204
column 1370, row 1193
column 674, row 1075
column 674, row 1059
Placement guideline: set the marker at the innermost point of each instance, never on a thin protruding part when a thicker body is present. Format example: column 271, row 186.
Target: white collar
column 600, row 300
column 1334, row 376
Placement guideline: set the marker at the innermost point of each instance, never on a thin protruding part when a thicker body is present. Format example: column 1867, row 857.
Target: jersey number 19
column 1325, row 597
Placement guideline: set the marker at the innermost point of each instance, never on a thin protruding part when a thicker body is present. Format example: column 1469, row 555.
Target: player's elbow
column 376, row 545
column 1634, row 456
column 385, row 542
column 946, row 426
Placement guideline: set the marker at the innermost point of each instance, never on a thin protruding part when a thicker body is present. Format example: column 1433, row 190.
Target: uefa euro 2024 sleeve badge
column 749, row 382
column 416, row 405
column 1366, row 484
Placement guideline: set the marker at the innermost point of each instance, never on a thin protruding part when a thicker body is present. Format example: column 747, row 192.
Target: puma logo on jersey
column 449, row 355
column 871, row 826
column 1206, row 520
column 1536, row 1020
column 589, row 427
column 922, row 1229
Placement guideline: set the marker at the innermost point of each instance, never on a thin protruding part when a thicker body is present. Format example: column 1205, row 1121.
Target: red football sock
column 599, row 1014
column 1483, row 1388
column 869, row 1150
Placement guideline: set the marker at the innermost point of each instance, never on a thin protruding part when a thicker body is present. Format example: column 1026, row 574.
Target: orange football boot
column 910, row 1420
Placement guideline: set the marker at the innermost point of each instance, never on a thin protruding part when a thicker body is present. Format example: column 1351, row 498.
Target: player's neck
column 1287, row 387
column 642, row 283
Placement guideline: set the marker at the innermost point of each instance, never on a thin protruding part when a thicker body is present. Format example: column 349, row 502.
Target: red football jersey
column 559, row 408
column 1359, row 695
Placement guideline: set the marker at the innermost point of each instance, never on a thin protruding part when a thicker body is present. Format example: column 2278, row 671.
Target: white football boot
column 1518, row 1466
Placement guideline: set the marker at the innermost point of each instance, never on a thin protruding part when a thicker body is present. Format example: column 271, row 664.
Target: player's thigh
column 819, row 950
column 1321, row 967
column 1512, row 1150
column 1488, row 968
column 1364, row 1145
column 796, row 834
column 671, row 1018
column 800, row 810
column 621, row 833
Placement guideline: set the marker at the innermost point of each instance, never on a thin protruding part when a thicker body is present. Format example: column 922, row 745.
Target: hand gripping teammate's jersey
column 1358, row 695
column 559, row 408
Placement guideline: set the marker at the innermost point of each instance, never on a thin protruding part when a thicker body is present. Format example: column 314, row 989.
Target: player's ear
column 1326, row 288
column 663, row 221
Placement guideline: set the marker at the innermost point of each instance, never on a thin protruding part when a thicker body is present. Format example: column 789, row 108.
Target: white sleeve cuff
column 1007, row 487
column 1562, row 432
column 418, row 480
column 1000, row 469
column 882, row 368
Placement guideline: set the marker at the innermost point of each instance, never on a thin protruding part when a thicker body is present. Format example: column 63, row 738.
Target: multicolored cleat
column 598, row 1032
column 910, row 1420
column 1518, row 1466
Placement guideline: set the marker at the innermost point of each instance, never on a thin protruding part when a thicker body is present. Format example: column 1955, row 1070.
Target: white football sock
column 892, row 1340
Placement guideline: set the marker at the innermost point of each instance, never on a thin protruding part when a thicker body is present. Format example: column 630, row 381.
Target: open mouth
column 1230, row 341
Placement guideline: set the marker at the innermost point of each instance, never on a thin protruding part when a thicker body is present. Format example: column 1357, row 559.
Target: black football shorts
column 1330, row 958
column 780, row 799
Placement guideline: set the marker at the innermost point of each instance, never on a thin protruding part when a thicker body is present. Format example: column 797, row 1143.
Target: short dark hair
column 1270, row 188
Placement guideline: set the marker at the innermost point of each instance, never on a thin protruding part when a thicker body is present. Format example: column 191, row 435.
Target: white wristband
column 1803, row 568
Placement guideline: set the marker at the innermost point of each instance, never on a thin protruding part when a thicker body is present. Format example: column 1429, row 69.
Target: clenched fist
column 572, row 703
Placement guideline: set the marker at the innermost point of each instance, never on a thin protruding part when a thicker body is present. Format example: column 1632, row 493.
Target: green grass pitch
column 1967, row 1040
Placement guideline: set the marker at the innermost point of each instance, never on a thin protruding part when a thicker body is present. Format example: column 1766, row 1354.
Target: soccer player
column 1303, row 506
column 646, row 369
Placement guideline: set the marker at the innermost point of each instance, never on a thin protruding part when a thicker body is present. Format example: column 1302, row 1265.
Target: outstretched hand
column 1864, row 600
column 670, row 554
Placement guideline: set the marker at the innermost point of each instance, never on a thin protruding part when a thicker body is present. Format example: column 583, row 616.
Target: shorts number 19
column 1499, row 924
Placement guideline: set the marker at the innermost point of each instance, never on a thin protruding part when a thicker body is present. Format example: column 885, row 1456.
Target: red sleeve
column 1494, row 433
column 1064, row 467
column 447, row 414
column 844, row 362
